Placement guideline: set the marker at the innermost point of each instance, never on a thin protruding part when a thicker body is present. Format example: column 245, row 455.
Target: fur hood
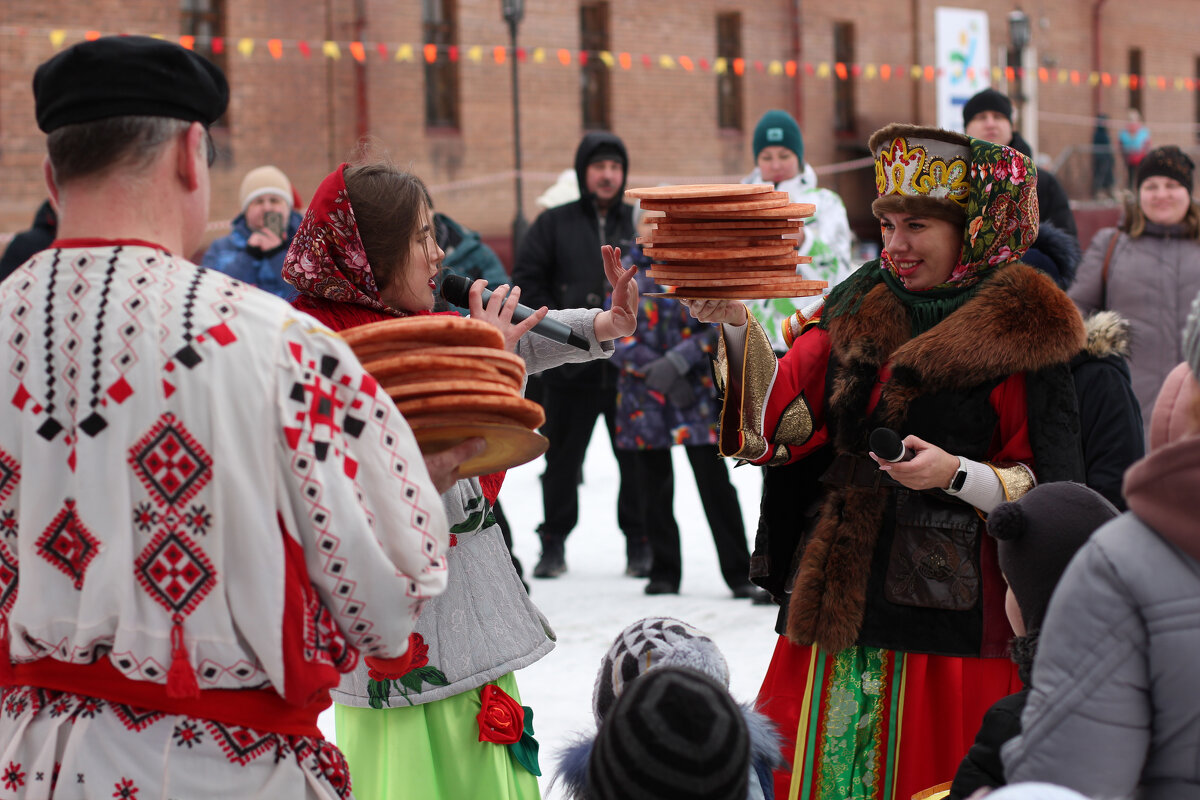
column 1107, row 335
column 765, row 755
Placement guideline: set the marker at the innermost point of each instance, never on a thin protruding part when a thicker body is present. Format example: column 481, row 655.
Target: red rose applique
column 502, row 719
column 383, row 669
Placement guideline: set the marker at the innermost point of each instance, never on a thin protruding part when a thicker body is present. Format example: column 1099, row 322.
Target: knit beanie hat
column 1039, row 534
column 266, row 180
column 646, row 645
column 673, row 733
column 987, row 100
column 1168, row 161
column 778, row 128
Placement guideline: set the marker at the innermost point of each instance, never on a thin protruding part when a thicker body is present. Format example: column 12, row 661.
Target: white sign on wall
column 962, row 61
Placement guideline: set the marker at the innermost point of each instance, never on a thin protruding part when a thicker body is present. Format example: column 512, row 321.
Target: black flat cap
column 117, row 76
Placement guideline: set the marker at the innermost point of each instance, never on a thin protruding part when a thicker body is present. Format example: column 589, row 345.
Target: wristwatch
column 959, row 479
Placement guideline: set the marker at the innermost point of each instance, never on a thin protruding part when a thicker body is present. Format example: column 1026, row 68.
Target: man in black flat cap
column 216, row 509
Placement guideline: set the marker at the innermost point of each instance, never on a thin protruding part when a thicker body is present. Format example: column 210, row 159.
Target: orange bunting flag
column 499, row 55
column 1106, row 78
column 686, row 63
column 564, row 57
column 625, row 60
column 92, row 36
column 357, row 50
column 275, row 48
column 430, row 53
column 885, row 71
column 790, row 69
column 1043, row 74
column 1075, row 77
column 739, row 66
column 187, row 42
column 840, row 69
column 929, row 74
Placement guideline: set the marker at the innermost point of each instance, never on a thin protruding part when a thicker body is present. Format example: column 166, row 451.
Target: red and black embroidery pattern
column 68, row 544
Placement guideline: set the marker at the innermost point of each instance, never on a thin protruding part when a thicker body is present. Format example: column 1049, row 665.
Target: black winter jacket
column 558, row 262
column 1053, row 202
column 28, row 243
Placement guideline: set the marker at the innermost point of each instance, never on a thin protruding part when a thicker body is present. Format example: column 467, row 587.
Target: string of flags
column 359, row 51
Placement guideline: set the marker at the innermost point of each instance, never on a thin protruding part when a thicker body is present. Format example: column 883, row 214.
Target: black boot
column 637, row 557
column 553, row 561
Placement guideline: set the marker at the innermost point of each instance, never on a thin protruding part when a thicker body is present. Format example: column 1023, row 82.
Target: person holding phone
column 253, row 252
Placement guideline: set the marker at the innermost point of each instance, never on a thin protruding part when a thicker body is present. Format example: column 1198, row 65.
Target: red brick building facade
column 654, row 74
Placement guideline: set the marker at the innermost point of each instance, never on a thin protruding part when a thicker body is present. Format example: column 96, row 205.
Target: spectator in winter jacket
column 666, row 397
column 1114, row 711
column 558, row 265
column 1038, row 536
column 466, row 255
column 825, row 237
column 1110, row 419
column 988, row 115
column 26, row 243
column 253, row 252
column 1146, row 268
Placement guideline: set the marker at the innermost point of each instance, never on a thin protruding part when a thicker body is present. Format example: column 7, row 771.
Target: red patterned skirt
column 871, row 724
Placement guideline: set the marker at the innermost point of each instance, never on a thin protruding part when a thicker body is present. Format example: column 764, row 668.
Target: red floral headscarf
column 327, row 258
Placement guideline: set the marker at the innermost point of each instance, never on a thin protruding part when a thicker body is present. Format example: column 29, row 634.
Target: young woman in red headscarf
column 453, row 726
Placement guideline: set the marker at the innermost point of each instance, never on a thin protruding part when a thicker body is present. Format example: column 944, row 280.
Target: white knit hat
column 265, row 180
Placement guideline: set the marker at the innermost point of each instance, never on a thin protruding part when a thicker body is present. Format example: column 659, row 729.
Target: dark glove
column 661, row 373
column 680, row 393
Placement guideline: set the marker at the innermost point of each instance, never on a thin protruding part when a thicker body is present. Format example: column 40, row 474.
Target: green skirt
column 431, row 751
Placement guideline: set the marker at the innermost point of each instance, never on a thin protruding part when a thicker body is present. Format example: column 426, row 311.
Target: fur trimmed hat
column 921, row 171
column 674, row 733
column 648, row 644
column 1039, row 534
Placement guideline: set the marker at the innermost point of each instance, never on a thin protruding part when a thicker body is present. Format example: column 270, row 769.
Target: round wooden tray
column 507, row 445
column 698, row 190
column 754, row 292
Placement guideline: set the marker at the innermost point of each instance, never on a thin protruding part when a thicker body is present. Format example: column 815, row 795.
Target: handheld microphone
column 455, row 288
column 886, row 444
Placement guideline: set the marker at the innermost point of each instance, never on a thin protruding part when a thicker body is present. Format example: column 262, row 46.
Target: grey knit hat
column 1191, row 338
column 650, row 643
column 674, row 733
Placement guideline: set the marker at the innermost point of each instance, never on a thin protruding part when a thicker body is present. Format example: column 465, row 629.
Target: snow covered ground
column 590, row 605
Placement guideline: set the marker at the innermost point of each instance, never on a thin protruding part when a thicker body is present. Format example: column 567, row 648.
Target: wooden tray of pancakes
column 725, row 241
column 452, row 379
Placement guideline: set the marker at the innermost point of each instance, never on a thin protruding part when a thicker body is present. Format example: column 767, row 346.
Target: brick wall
column 305, row 115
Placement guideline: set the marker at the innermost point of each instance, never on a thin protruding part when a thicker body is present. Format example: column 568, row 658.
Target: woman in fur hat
column 893, row 605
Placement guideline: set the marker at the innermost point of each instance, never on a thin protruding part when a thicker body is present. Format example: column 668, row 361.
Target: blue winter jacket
column 230, row 255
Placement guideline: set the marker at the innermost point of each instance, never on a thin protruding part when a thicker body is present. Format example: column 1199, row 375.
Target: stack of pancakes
column 451, row 378
column 725, row 240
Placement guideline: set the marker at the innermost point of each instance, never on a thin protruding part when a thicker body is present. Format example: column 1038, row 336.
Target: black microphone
column 886, row 444
column 455, row 288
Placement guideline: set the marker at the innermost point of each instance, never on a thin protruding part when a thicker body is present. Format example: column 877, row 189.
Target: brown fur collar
column 1024, row 323
column 1027, row 322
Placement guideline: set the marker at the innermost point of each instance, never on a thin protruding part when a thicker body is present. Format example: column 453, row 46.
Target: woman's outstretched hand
column 499, row 311
column 621, row 318
column 728, row 312
column 931, row 467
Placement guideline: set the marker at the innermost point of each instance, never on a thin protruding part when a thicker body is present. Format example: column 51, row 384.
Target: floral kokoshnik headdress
column 989, row 189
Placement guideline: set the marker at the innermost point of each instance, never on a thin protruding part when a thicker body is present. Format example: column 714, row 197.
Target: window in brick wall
column 1135, row 80
column 441, row 75
column 843, row 88
column 729, row 83
column 595, row 88
column 205, row 20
